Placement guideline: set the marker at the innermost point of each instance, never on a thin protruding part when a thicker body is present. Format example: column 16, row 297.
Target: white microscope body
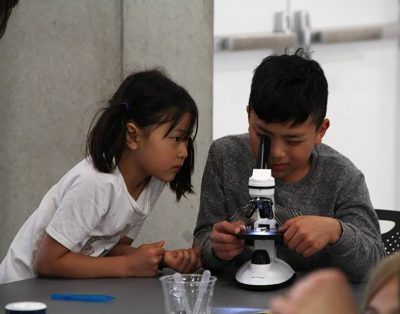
column 264, row 271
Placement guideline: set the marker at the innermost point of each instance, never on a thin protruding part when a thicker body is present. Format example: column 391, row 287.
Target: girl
column 86, row 223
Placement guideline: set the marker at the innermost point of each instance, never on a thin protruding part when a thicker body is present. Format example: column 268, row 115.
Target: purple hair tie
column 126, row 105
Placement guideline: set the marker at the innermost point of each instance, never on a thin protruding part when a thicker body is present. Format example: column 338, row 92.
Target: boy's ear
column 132, row 135
column 322, row 130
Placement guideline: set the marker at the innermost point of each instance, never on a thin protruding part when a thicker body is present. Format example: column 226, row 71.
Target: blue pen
column 99, row 298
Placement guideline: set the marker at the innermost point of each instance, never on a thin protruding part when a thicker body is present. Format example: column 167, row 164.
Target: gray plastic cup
column 180, row 296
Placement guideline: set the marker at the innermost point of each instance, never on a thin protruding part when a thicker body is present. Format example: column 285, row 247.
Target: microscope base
column 271, row 276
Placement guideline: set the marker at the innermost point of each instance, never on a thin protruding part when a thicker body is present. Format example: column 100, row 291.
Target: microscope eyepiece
column 263, row 152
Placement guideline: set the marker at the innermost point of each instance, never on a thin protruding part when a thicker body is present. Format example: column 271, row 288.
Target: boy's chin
column 277, row 174
column 281, row 176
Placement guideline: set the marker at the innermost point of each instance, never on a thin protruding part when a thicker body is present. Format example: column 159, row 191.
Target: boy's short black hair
column 289, row 88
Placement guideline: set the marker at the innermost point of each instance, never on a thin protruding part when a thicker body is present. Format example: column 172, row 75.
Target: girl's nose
column 183, row 151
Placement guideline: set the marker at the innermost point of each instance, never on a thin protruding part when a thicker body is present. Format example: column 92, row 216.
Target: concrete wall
column 177, row 35
column 60, row 61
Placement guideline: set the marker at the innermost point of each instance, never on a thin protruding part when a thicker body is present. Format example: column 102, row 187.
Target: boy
column 338, row 225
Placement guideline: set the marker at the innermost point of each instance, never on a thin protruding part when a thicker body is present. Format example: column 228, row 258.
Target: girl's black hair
column 289, row 88
column 147, row 98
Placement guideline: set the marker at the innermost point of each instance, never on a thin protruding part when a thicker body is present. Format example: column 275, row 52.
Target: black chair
column 391, row 239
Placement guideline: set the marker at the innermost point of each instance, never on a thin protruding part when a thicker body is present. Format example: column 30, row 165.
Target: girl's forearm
column 73, row 265
column 54, row 260
column 121, row 249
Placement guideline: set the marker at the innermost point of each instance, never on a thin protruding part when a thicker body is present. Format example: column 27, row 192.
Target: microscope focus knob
column 260, row 257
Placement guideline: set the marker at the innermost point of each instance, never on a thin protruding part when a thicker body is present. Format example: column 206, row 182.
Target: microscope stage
column 260, row 235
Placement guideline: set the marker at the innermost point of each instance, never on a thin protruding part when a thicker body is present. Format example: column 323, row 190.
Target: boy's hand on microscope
column 308, row 235
column 224, row 241
column 144, row 261
column 183, row 260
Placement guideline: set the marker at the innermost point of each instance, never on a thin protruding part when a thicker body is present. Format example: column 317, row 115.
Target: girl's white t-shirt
column 87, row 211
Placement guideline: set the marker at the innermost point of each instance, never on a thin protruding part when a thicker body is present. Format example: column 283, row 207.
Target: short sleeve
column 81, row 209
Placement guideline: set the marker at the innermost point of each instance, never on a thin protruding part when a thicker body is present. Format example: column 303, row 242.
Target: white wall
column 362, row 79
column 253, row 16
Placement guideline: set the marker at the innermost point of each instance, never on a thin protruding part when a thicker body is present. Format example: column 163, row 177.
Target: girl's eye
column 177, row 138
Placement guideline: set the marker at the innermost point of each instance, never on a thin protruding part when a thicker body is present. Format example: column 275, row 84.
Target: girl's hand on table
column 145, row 260
column 183, row 260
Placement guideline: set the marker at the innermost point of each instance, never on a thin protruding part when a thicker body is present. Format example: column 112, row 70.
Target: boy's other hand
column 225, row 244
column 308, row 235
column 183, row 260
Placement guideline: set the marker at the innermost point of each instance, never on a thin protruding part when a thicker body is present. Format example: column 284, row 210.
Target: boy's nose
column 277, row 151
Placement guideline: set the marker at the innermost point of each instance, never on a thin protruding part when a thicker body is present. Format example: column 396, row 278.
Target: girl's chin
column 166, row 179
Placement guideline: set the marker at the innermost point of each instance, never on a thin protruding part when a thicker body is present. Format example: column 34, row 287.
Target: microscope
column 264, row 271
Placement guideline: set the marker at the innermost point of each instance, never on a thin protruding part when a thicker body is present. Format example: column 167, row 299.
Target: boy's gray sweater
column 334, row 187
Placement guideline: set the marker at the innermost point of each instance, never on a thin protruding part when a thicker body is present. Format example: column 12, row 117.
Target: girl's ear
column 132, row 135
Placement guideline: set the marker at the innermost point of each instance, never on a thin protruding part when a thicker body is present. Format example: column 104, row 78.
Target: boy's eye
column 295, row 142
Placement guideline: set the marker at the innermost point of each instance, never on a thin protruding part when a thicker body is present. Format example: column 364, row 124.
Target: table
column 134, row 295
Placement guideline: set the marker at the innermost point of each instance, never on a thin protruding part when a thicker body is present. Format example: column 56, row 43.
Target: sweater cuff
column 211, row 261
column 346, row 241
